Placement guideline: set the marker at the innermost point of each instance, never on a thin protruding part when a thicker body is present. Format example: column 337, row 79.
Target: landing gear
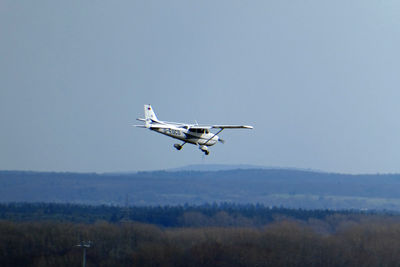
column 178, row 146
column 204, row 149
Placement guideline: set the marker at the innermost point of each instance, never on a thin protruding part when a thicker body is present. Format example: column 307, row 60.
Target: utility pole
column 126, row 213
column 84, row 245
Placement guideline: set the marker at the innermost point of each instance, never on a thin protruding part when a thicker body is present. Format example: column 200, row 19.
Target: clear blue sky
column 319, row 81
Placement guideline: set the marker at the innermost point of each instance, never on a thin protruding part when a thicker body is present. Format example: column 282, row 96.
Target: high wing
column 232, row 126
column 221, row 127
column 199, row 126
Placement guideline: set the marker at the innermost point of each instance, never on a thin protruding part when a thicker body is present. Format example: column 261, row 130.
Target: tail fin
column 149, row 113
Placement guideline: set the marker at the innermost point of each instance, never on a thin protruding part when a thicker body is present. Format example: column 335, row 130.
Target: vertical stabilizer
column 149, row 114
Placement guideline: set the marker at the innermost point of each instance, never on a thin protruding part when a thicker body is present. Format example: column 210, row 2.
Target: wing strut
column 213, row 136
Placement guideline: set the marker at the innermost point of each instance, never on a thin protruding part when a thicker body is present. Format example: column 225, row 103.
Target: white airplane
column 195, row 134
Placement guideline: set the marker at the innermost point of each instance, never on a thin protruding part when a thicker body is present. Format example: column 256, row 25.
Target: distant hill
column 217, row 167
column 225, row 167
column 272, row 187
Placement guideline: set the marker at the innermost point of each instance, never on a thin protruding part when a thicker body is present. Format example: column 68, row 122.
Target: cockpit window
column 197, row 130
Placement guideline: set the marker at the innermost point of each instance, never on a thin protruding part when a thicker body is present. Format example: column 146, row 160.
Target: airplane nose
column 219, row 139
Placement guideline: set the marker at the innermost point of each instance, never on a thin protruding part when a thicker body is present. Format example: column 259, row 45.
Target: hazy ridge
column 291, row 188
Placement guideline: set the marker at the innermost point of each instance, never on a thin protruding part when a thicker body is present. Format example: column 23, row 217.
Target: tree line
column 281, row 243
column 221, row 214
column 44, row 234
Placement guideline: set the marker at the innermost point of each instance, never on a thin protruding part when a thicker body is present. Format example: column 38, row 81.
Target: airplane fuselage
column 192, row 136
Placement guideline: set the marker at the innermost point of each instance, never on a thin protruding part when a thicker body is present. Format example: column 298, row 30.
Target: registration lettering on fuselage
column 173, row 132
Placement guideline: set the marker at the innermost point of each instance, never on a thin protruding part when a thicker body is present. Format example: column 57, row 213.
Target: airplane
column 199, row 135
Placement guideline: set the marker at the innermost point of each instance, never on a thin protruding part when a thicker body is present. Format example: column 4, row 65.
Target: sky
column 318, row 80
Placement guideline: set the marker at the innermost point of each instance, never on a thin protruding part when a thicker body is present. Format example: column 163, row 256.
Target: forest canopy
column 43, row 234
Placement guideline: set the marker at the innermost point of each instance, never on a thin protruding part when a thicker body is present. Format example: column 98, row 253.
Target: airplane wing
column 232, row 126
column 221, row 127
column 199, row 126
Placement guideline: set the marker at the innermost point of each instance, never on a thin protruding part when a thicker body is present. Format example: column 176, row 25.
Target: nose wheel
column 204, row 149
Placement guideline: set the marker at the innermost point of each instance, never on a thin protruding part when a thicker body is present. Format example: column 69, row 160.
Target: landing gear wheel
column 206, row 152
column 178, row 146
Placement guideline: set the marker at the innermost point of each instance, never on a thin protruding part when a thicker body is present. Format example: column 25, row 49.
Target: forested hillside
column 279, row 187
column 283, row 243
column 44, row 234
column 224, row 214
